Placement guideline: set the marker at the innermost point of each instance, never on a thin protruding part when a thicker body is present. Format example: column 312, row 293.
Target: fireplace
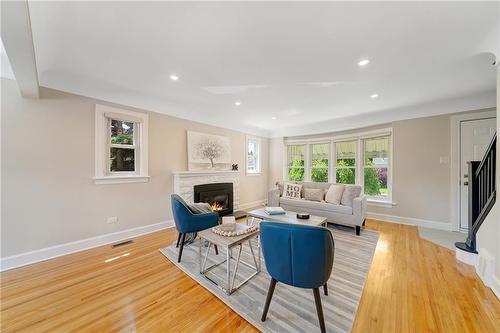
column 218, row 195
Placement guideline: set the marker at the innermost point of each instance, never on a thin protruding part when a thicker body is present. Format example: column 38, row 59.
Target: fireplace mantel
column 184, row 182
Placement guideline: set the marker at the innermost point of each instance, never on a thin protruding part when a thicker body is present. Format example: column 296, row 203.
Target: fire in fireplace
column 218, row 195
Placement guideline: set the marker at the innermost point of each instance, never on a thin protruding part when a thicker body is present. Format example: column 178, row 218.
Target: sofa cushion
column 350, row 192
column 292, row 191
column 313, row 194
column 306, row 204
column 334, row 194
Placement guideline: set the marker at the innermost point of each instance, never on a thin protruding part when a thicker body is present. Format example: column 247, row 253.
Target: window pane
column 346, row 176
column 122, row 159
column 296, row 162
column 295, row 154
column 319, row 161
column 319, row 175
column 122, row 132
column 296, row 174
column 346, row 153
column 253, row 156
column 377, row 151
column 376, row 182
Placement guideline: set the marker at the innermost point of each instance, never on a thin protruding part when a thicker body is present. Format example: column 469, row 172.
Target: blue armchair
column 187, row 222
column 297, row 255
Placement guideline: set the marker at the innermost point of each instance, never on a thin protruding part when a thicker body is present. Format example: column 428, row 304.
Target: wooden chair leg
column 325, row 289
column 178, row 239
column 182, row 246
column 319, row 309
column 216, row 249
column 270, row 293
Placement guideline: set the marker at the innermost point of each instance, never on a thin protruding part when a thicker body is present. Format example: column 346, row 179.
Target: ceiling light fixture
column 373, row 96
column 274, row 118
column 174, row 77
column 363, row 62
column 238, row 103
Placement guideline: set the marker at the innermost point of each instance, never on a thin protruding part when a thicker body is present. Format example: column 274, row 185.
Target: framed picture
column 208, row 151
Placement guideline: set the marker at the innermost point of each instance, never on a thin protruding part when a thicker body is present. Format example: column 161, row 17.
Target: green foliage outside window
column 319, row 171
column 347, row 175
column 296, row 170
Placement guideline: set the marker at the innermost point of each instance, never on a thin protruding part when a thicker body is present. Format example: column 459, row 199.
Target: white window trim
column 359, row 167
column 102, row 176
column 259, row 156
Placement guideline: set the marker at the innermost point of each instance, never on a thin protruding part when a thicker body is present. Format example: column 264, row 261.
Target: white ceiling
column 294, row 61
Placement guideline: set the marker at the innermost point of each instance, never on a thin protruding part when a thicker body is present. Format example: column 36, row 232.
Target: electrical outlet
column 112, row 219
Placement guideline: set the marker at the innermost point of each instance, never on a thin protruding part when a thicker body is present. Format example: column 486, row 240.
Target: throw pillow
column 313, row 194
column 350, row 192
column 334, row 194
column 292, row 191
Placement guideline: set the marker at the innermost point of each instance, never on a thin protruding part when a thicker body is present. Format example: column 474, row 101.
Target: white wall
column 48, row 195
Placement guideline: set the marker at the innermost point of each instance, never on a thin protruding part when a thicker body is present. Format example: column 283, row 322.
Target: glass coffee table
column 227, row 244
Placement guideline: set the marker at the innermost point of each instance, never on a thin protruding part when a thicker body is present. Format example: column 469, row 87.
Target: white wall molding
column 495, row 286
column 79, row 245
column 409, row 221
column 253, row 204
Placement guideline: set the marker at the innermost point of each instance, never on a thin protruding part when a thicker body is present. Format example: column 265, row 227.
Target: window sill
column 254, row 173
column 120, row 179
column 381, row 203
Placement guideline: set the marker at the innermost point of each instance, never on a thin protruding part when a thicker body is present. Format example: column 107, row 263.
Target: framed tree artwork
column 208, row 151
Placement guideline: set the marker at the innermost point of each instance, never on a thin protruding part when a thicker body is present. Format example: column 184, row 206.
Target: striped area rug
column 292, row 309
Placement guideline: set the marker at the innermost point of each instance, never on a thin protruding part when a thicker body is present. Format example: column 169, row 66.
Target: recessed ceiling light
column 363, row 62
column 274, row 118
column 238, row 103
column 174, row 77
column 373, row 96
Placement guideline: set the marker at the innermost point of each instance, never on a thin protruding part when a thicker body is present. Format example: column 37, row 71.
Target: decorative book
column 274, row 211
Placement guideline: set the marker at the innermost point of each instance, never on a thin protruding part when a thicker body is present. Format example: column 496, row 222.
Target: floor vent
column 122, row 243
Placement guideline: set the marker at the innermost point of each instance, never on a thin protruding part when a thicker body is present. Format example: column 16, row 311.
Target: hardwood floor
column 413, row 286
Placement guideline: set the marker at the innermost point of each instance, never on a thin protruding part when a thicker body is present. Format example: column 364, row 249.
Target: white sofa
column 340, row 214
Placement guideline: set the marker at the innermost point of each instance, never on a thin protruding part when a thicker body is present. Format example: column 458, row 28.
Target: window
column 320, row 154
column 345, row 167
column 296, row 162
column 362, row 158
column 376, row 166
column 121, row 146
column 253, row 156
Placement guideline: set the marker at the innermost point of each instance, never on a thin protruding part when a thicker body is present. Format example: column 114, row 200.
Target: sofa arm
column 273, row 197
column 359, row 206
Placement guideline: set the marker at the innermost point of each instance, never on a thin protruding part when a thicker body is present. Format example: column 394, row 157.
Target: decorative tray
column 235, row 230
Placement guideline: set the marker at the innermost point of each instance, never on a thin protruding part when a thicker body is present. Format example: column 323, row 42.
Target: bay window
column 362, row 158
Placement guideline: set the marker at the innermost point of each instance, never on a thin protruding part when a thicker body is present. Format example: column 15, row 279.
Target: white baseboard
column 495, row 286
column 252, row 204
column 466, row 257
column 32, row 257
column 410, row 221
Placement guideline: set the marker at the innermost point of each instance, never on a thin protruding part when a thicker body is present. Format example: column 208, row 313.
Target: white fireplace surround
column 184, row 182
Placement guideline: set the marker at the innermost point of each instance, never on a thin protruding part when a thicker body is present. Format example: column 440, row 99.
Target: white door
column 475, row 135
